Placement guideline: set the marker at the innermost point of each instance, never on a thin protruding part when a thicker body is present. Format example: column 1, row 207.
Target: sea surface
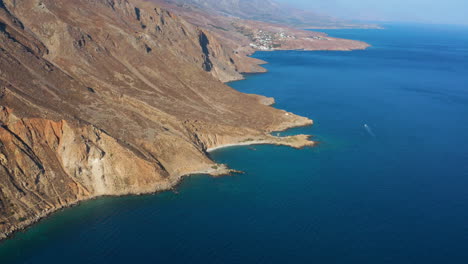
column 387, row 184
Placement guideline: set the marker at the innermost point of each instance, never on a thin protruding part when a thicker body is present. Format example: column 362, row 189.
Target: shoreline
column 216, row 170
column 236, row 145
column 259, row 143
column 32, row 213
column 251, row 54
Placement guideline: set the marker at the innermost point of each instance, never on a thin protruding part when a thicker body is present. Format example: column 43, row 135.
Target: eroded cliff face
column 113, row 97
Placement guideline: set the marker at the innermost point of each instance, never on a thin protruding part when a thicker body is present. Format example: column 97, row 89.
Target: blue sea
column 388, row 182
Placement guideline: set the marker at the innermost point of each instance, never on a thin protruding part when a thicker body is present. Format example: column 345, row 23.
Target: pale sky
column 428, row 11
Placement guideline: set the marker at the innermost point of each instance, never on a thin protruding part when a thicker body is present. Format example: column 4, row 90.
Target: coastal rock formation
column 113, row 97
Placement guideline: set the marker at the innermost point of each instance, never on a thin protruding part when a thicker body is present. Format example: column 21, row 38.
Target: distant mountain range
column 267, row 11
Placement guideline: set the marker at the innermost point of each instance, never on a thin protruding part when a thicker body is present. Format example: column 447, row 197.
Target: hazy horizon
column 438, row 12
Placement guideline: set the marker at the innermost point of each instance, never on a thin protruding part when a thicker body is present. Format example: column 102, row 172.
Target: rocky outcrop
column 113, row 97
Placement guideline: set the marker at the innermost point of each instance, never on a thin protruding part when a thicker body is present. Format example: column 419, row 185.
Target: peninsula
column 119, row 97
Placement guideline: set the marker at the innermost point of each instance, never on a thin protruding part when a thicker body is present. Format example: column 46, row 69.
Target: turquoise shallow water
column 394, row 192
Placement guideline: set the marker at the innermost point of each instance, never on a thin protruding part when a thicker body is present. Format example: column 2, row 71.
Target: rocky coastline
column 215, row 170
column 126, row 103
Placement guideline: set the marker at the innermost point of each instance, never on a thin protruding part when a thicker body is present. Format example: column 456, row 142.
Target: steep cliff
column 113, row 97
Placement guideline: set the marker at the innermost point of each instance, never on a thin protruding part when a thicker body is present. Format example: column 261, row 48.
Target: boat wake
column 369, row 130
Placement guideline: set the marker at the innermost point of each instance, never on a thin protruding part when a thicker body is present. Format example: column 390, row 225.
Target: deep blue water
column 396, row 192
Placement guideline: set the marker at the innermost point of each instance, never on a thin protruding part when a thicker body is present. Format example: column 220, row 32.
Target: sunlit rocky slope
column 115, row 97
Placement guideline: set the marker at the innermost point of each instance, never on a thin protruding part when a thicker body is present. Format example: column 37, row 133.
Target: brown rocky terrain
column 115, row 97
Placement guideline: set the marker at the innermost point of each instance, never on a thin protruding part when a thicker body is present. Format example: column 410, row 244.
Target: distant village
column 264, row 40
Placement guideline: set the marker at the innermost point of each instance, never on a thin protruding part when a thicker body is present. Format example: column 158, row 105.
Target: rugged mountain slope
column 267, row 11
column 113, row 97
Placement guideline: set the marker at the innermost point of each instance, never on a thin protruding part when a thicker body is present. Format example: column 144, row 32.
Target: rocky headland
column 118, row 97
